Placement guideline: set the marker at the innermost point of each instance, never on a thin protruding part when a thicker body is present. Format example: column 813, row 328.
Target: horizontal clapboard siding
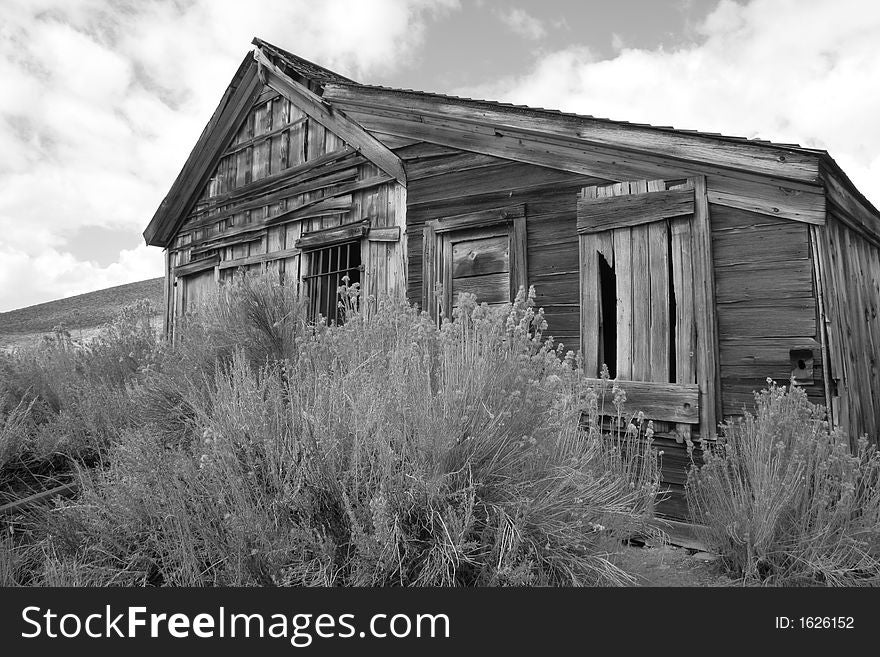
column 437, row 188
column 766, row 303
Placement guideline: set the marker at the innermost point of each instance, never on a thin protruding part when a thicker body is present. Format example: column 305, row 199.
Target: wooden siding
column 766, row 302
column 284, row 175
column 445, row 182
column 583, row 144
column 764, row 289
column 850, row 266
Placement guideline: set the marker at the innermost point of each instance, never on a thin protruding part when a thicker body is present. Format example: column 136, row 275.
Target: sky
column 102, row 100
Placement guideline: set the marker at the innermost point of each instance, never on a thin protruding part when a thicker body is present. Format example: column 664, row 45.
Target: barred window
column 326, row 268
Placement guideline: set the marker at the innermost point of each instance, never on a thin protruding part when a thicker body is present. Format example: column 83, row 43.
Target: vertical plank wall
column 284, row 175
column 851, row 275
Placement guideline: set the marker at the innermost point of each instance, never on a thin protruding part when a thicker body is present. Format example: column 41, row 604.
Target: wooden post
column 705, row 314
column 429, row 246
column 823, row 340
column 168, row 295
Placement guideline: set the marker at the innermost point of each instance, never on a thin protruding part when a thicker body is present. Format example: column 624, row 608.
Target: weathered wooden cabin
column 695, row 265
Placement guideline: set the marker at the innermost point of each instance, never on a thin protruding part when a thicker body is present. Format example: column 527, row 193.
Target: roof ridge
column 302, row 65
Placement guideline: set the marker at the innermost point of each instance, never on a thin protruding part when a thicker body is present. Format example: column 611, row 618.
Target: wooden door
column 197, row 289
column 647, row 304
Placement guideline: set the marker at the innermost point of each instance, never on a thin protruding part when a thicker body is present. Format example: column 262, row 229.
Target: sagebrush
column 262, row 448
column 785, row 501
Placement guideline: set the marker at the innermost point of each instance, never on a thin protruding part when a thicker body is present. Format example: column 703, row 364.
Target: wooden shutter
column 654, row 236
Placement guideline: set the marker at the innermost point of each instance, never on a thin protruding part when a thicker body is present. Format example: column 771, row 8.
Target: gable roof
column 294, row 78
column 618, row 149
column 242, row 91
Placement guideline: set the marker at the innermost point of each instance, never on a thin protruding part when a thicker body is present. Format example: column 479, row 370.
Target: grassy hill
column 82, row 315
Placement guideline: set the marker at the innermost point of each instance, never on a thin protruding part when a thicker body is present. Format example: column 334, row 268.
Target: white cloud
column 520, row 22
column 27, row 278
column 801, row 71
column 102, row 102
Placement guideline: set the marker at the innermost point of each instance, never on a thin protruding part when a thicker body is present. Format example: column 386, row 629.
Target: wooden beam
column 519, row 261
column 479, row 219
column 822, row 329
column 773, row 199
column 257, row 259
column 167, row 295
column 768, row 159
column 705, row 314
column 237, row 238
column 664, row 402
column 595, row 215
column 197, row 266
column 343, row 158
column 331, row 118
column 331, row 236
column 429, row 269
column 313, row 185
column 596, row 162
column 313, row 207
column 588, row 256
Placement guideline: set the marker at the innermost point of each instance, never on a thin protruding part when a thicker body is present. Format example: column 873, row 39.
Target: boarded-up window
column 647, row 309
column 482, row 253
column 637, row 281
column 197, row 290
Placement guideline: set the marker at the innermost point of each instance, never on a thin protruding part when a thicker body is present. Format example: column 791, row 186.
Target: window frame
column 313, row 246
column 439, row 236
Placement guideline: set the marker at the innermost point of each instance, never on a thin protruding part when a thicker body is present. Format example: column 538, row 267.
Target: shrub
column 65, row 399
column 385, row 451
column 14, row 430
column 257, row 315
column 783, row 499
